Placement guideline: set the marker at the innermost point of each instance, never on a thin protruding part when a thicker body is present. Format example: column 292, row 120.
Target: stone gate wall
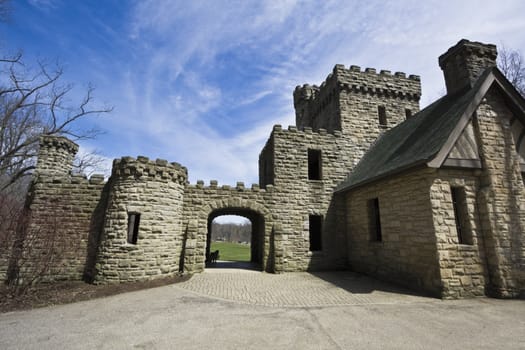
column 200, row 201
column 295, row 197
column 65, row 212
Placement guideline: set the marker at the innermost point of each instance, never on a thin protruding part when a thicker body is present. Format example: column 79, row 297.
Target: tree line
column 231, row 232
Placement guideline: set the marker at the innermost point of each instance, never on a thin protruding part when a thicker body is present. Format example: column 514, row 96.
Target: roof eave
column 413, row 166
column 441, row 156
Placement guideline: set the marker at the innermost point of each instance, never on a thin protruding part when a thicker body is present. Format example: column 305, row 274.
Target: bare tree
column 90, row 163
column 34, row 103
column 31, row 250
column 512, row 64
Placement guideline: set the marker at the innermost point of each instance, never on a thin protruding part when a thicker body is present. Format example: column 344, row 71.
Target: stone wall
column 153, row 189
column 203, row 203
column 66, row 218
column 407, row 252
column 295, row 197
column 501, row 198
column 348, row 101
column 361, row 95
column 462, row 265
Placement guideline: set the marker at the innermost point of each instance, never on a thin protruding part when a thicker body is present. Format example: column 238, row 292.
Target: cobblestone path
column 299, row 289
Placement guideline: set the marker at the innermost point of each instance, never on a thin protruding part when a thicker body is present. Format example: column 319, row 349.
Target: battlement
column 320, row 106
column 383, row 83
column 292, row 129
column 159, row 169
column 239, row 187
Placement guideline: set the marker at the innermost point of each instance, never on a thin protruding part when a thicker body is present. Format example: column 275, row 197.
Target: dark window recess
column 459, row 202
column 133, row 227
column 374, row 220
column 408, row 113
column 314, row 164
column 381, row 112
column 315, row 226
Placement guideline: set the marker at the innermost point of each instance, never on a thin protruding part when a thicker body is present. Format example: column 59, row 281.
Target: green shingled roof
column 414, row 142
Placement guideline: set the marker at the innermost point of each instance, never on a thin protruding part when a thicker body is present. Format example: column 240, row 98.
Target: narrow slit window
column 408, row 113
column 374, row 220
column 314, row 164
column 459, row 203
column 381, row 112
column 133, row 227
column 315, row 227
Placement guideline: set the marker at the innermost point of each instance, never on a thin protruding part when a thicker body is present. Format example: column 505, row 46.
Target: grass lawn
column 231, row 251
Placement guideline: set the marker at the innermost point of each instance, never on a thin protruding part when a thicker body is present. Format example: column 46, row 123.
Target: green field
column 231, row 251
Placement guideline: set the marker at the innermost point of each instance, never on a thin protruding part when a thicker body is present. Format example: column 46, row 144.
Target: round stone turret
column 55, row 155
column 143, row 236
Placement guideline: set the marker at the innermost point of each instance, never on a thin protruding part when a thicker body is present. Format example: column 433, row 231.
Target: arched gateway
column 256, row 236
column 207, row 203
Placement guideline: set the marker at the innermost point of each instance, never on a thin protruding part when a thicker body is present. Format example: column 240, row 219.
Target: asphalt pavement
column 243, row 309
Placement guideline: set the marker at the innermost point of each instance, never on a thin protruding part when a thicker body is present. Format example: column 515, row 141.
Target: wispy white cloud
column 205, row 80
column 45, row 4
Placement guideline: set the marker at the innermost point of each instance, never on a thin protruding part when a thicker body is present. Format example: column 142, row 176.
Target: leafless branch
column 512, row 65
column 33, row 103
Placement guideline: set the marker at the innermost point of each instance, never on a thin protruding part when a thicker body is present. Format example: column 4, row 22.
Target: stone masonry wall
column 55, row 155
column 501, row 198
column 66, row 219
column 361, row 95
column 66, row 213
column 202, row 202
column 154, row 189
column 295, row 197
column 462, row 266
column 407, row 253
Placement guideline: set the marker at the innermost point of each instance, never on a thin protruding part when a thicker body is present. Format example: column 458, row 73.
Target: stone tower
column 55, row 155
column 360, row 104
column 142, row 235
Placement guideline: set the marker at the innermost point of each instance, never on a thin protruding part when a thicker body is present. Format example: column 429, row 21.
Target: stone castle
column 431, row 199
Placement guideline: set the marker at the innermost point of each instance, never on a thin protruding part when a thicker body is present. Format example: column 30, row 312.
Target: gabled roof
column 426, row 138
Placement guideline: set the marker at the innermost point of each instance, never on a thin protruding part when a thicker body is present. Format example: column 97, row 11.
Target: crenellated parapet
column 143, row 167
column 383, row 83
column 321, row 107
column 239, row 187
column 55, row 155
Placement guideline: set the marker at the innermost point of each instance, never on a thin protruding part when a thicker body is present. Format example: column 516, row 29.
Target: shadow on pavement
column 240, row 265
column 354, row 282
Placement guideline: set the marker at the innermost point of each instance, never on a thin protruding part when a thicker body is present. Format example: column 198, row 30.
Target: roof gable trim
column 443, row 153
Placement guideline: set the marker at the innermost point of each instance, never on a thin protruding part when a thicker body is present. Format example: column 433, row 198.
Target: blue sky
column 203, row 82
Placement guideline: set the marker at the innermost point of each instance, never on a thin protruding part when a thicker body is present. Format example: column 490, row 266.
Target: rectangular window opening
column 381, row 111
column 133, row 227
column 408, row 113
column 374, row 220
column 459, row 203
column 315, row 227
column 314, row 164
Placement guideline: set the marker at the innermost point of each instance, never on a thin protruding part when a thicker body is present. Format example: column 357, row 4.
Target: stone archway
column 257, row 234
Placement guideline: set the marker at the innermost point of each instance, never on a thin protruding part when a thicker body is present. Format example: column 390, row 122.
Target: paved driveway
column 221, row 309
